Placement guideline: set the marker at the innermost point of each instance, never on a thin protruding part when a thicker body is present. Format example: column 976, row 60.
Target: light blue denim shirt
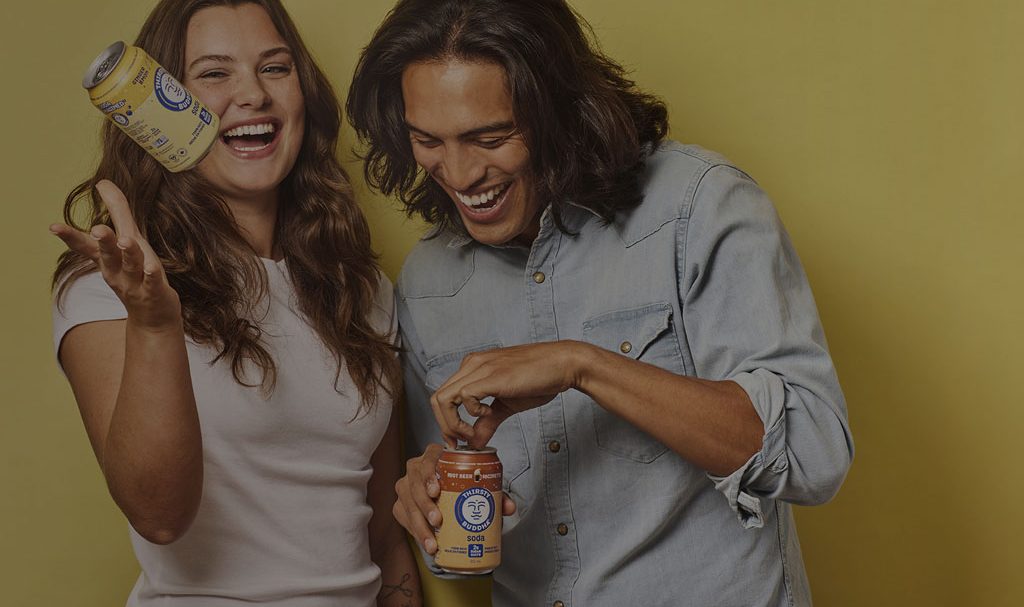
column 702, row 280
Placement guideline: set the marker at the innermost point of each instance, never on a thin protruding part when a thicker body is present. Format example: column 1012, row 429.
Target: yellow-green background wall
column 889, row 135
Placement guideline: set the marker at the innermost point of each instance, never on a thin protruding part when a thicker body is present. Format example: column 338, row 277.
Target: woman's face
column 239, row 66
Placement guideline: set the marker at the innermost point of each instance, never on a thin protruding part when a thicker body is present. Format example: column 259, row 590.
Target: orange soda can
column 150, row 106
column 469, row 539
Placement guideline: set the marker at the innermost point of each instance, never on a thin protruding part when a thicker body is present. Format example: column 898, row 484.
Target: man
column 661, row 387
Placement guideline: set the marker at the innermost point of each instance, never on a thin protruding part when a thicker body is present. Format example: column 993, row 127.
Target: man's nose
column 462, row 170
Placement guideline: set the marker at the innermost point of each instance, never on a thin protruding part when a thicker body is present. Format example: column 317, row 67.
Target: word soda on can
column 150, row 106
column 469, row 539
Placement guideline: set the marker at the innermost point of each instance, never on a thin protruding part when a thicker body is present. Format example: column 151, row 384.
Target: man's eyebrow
column 228, row 58
column 506, row 125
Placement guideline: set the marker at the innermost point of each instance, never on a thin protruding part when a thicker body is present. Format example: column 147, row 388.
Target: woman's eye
column 277, row 69
column 212, row 74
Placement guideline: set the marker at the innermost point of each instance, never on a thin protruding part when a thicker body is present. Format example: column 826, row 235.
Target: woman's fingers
column 110, row 255
column 117, row 205
column 76, row 240
column 132, row 258
column 152, row 267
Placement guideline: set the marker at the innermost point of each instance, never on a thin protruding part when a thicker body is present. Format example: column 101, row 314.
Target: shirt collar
column 574, row 217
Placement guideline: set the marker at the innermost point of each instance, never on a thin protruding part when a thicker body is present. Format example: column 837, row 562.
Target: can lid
column 462, row 448
column 103, row 64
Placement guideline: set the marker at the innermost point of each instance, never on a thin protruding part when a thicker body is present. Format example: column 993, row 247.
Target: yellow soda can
column 146, row 102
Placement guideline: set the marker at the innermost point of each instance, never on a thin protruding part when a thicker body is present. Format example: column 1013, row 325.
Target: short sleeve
column 87, row 299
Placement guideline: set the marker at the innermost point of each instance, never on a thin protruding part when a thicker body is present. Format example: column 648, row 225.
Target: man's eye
column 494, row 142
column 427, row 143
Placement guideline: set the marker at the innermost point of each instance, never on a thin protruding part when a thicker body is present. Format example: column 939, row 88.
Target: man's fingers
column 446, row 410
column 442, row 423
column 508, row 506
column 407, row 513
column 474, row 407
column 421, row 478
column 420, row 514
column 487, row 425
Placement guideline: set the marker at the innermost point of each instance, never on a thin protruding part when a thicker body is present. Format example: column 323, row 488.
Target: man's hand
column 518, row 378
column 418, row 491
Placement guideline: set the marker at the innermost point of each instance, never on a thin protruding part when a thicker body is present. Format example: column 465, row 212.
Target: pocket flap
column 628, row 332
column 443, row 366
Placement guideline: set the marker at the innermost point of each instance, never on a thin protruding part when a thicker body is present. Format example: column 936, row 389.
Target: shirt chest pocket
column 643, row 334
column 509, row 440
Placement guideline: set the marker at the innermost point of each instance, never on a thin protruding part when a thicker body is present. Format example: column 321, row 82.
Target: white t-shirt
column 283, row 518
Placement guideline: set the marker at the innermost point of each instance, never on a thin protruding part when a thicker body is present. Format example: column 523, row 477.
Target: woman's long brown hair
column 320, row 230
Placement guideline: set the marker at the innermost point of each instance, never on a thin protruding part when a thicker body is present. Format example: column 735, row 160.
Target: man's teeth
column 480, row 199
column 250, row 129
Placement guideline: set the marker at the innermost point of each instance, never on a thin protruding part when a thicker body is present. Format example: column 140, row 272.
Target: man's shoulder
column 677, row 168
column 438, row 265
column 670, row 183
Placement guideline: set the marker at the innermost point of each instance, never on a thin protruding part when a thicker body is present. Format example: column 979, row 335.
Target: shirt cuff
column 767, row 393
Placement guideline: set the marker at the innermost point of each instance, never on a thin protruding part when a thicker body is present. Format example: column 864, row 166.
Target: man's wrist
column 584, row 362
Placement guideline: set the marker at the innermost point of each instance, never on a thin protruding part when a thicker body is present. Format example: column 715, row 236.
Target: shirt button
column 563, row 529
column 625, row 347
column 538, row 277
column 558, row 604
column 554, row 446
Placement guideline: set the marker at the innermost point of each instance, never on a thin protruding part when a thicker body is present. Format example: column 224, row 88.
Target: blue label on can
column 475, row 551
column 474, row 509
column 169, row 91
column 205, row 115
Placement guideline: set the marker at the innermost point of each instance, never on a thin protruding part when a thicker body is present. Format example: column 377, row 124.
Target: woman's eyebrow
column 228, row 58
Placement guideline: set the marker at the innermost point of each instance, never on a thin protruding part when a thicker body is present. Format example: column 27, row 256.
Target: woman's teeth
column 250, row 137
column 485, row 198
column 250, row 129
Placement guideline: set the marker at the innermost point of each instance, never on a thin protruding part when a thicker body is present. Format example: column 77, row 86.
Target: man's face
column 463, row 134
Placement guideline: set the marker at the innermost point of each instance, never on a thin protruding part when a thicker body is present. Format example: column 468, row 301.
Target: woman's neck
column 257, row 219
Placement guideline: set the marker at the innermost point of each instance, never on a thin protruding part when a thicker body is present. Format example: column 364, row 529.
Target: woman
column 230, row 340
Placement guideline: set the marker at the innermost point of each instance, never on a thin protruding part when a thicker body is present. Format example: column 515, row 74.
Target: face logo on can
column 169, row 91
column 474, row 509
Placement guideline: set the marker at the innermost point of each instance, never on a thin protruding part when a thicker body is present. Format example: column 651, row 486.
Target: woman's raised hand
column 128, row 264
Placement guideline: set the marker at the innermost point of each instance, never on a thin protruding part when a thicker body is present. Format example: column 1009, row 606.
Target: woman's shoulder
column 83, row 299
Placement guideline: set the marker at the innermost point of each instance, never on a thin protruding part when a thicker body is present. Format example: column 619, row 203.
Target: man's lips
column 484, row 200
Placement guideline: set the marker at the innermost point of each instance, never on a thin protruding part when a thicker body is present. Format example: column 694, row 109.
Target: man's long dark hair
column 588, row 129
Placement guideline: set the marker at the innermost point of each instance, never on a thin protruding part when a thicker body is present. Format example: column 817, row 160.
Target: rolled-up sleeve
column 750, row 317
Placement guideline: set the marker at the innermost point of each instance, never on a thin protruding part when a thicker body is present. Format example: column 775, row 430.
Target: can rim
column 97, row 71
column 469, row 450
